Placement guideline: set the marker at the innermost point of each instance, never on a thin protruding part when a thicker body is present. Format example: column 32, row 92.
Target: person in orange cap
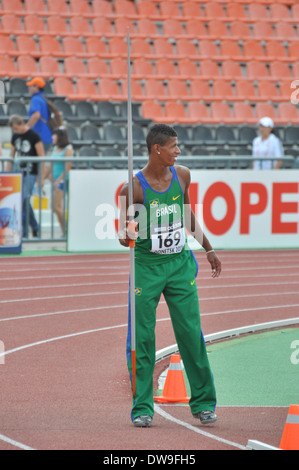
column 38, row 112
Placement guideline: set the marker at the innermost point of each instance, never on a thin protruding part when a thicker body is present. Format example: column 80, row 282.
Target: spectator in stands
column 62, row 148
column 39, row 112
column 267, row 146
column 26, row 142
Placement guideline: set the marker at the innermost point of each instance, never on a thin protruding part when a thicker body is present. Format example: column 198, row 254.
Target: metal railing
column 49, row 228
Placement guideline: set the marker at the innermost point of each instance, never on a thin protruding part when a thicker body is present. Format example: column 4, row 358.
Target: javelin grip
column 131, row 227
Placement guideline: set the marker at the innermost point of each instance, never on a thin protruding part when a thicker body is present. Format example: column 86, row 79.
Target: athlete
column 165, row 265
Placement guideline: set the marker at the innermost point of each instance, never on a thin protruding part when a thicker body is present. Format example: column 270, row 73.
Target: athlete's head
column 159, row 134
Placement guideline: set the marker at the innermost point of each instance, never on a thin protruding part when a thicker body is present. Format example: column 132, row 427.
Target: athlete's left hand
column 215, row 264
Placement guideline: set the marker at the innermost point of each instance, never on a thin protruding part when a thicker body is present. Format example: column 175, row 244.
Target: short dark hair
column 15, row 119
column 62, row 137
column 159, row 134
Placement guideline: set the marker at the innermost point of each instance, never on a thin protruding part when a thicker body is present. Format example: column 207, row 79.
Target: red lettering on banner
column 279, row 207
column 193, row 195
column 248, row 209
column 219, row 227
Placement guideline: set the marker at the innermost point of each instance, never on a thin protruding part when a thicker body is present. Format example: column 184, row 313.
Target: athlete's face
column 169, row 152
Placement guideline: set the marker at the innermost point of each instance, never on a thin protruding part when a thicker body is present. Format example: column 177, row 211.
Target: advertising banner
column 10, row 212
column 237, row 209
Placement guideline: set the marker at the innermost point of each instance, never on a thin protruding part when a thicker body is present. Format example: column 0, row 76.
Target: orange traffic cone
column 290, row 436
column 174, row 390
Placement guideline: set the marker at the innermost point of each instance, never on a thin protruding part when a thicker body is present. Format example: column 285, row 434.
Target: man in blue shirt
column 38, row 112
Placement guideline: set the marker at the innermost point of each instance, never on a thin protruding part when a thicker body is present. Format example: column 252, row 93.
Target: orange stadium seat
column 154, row 89
column 7, row 66
column 12, row 6
column 49, row 67
column 198, row 112
column 118, row 67
column 280, row 70
column 257, row 11
column 200, row 89
column 257, row 69
column 186, row 48
column 143, row 68
column 208, row 49
column 209, row 69
column 296, row 69
column 86, row 90
column 169, row 9
column 96, row 46
column 102, row 26
column 97, row 67
column 49, row 45
column 218, row 29
column 165, row 68
column 140, row 47
column 64, row 87
column 220, row 112
column 265, row 109
column 214, row 10
column 223, row 90
column 109, row 90
column 80, row 7
column 7, row 46
column 27, row 45
column 276, row 51
column 173, row 28
column 262, row 30
column 230, row 49
column 136, row 90
column 80, row 26
column 268, row 90
column 288, row 113
column 243, row 113
column 147, row 28
column 73, row 46
column 11, row 24
column 285, row 31
column 118, row 47
column 293, row 51
column 74, row 67
column 178, row 89
column 27, row 66
column 146, row 9
column 103, row 8
column 187, row 69
column 235, row 11
column 176, row 112
column 33, row 7
column 163, row 48
column 240, row 30
column 125, row 8
column 192, row 9
column 152, row 110
column 253, row 49
column 245, row 90
column 57, row 26
column 196, row 29
column 279, row 11
column 121, row 25
column 231, row 69
column 58, row 7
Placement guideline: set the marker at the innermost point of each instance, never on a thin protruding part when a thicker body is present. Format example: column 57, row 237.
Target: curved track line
column 197, row 430
column 15, row 443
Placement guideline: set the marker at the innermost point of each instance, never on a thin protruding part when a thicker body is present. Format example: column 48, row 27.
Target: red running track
column 63, row 324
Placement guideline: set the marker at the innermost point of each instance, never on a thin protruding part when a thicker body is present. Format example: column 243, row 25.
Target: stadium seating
column 226, row 62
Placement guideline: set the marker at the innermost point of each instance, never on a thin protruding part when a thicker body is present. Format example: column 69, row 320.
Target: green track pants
column 176, row 280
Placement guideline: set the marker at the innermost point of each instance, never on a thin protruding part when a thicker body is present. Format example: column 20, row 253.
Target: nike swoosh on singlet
column 174, row 198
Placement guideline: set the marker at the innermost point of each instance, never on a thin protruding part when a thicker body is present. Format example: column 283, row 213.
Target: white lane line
column 197, row 430
column 92, row 294
column 15, row 443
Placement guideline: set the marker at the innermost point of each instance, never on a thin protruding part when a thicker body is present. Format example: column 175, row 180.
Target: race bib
column 168, row 239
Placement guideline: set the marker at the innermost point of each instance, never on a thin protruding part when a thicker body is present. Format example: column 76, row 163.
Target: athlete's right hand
column 128, row 234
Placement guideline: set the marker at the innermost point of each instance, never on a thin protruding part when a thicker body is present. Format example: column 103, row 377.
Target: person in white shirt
column 267, row 146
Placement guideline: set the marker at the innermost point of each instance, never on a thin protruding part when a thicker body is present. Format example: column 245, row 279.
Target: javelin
column 131, row 219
